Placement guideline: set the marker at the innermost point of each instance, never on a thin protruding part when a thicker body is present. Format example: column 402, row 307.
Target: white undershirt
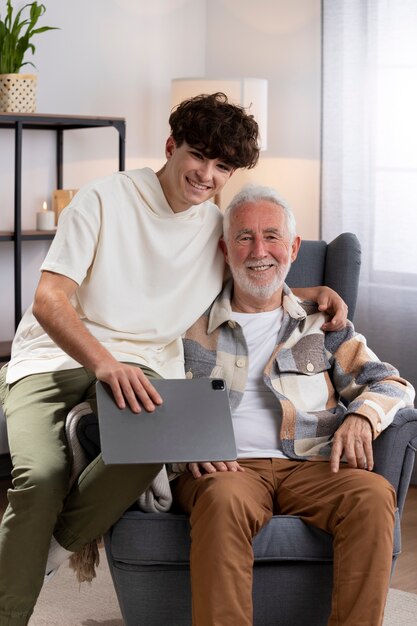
column 256, row 420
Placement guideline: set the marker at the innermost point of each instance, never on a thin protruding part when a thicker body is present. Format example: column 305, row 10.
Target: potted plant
column 18, row 91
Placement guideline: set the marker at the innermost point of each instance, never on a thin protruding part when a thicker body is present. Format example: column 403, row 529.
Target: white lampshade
column 250, row 93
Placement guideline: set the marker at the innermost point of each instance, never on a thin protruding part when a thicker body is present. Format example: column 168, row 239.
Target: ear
column 223, row 248
column 295, row 246
column 170, row 147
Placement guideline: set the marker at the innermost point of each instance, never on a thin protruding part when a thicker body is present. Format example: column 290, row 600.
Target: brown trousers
column 228, row 508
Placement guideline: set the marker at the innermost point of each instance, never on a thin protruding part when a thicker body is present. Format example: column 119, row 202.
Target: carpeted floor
column 401, row 609
column 65, row 603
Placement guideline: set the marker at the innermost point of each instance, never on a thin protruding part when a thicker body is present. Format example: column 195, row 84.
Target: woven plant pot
column 18, row 93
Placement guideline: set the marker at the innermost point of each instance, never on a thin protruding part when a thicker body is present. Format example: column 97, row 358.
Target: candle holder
column 60, row 199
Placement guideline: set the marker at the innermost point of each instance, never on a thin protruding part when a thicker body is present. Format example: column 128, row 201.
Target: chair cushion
column 164, row 538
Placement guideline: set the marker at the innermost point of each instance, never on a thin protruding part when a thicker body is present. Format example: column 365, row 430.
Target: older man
column 306, row 406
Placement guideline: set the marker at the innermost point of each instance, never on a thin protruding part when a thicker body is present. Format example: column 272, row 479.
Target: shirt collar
column 221, row 310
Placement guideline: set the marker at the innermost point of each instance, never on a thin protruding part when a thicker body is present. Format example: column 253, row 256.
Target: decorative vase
column 18, row 93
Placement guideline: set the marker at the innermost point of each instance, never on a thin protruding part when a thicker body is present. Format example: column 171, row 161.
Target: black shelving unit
column 58, row 123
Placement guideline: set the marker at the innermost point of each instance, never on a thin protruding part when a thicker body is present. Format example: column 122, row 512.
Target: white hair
column 254, row 193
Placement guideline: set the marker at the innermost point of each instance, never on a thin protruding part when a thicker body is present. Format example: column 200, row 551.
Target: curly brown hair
column 217, row 128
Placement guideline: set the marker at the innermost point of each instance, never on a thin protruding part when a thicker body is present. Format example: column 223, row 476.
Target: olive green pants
column 40, row 503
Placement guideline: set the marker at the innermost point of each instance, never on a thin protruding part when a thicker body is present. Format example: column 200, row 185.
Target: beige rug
column 65, row 603
column 401, row 609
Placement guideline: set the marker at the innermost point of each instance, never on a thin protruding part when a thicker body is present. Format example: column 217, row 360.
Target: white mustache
column 261, row 263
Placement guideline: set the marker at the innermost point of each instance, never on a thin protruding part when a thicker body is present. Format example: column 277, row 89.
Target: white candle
column 45, row 220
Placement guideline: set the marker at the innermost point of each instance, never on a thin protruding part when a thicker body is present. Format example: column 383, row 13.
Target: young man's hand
column 331, row 303
column 129, row 385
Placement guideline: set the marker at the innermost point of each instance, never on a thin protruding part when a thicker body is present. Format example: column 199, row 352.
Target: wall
column 117, row 57
column 110, row 58
column 278, row 40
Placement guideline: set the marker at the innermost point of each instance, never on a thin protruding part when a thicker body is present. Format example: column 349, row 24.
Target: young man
column 286, row 379
column 134, row 263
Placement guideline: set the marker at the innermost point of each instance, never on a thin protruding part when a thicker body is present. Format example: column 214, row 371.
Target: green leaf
column 16, row 33
column 44, row 29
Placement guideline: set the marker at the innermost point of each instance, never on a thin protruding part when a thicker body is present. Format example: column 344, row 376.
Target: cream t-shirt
column 145, row 274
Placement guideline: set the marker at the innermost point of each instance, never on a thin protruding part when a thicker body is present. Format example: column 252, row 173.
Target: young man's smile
column 190, row 178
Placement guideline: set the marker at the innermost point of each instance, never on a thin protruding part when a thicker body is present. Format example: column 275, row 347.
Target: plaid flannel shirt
column 317, row 378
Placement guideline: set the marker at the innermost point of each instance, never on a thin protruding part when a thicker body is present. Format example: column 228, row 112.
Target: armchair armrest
column 394, row 452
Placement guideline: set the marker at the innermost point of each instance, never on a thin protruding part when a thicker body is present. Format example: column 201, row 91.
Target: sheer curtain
column 369, row 162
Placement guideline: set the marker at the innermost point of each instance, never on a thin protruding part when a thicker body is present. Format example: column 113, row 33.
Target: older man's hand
column 353, row 439
column 198, row 469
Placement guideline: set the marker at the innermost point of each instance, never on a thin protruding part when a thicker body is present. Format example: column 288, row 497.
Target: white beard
column 252, row 287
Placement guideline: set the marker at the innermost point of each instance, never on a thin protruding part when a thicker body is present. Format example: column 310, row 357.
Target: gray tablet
column 193, row 424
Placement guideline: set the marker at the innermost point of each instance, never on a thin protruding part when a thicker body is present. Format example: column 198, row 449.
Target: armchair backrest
column 335, row 264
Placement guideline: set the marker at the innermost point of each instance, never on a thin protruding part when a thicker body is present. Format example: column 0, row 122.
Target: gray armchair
column 148, row 553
